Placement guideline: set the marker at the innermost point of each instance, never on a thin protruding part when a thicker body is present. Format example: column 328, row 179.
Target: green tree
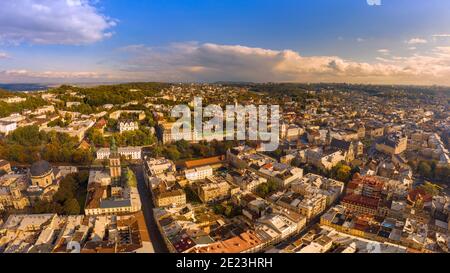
column 71, row 207
column 131, row 178
column 425, row 169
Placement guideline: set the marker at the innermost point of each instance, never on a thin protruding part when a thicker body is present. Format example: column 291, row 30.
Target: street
column 147, row 208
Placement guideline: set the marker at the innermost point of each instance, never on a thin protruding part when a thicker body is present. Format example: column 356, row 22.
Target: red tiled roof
column 205, row 161
column 360, row 200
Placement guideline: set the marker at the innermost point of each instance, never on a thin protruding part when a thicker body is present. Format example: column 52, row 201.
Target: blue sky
column 400, row 41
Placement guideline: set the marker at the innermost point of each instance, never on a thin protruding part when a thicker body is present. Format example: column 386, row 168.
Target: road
column 147, row 208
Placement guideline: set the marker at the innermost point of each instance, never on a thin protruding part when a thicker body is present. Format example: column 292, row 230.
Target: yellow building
column 213, row 191
column 171, row 198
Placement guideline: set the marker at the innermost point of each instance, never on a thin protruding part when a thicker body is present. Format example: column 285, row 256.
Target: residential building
column 198, row 173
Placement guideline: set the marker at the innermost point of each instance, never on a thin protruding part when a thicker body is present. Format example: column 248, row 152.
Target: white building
column 14, row 100
column 7, row 127
column 13, row 118
column 134, row 153
column 199, row 173
column 70, row 104
column 128, row 126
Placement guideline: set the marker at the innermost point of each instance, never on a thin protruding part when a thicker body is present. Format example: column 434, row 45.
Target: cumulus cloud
column 415, row 41
column 213, row 62
column 69, row 22
column 208, row 62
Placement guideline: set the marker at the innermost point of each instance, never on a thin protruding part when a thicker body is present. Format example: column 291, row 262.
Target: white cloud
column 3, row 55
column 213, row 62
column 360, row 40
column 415, row 41
column 70, row 22
column 384, row 51
column 441, row 35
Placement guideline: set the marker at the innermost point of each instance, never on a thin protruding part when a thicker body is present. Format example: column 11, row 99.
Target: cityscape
column 91, row 162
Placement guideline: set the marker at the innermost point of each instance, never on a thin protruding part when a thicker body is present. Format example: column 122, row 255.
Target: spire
column 113, row 146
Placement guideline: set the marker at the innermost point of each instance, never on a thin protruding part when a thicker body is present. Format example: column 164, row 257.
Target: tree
column 341, row 172
column 267, row 188
column 71, row 207
column 425, row 169
column 172, row 153
column 430, row 188
column 131, row 178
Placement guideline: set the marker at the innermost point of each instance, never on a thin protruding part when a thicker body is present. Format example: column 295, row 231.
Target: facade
column 116, row 115
column 171, row 198
column 213, row 191
column 361, row 204
column 126, row 126
column 115, row 169
column 7, row 127
column 134, row 153
column 392, row 144
column 198, row 173
column 168, row 137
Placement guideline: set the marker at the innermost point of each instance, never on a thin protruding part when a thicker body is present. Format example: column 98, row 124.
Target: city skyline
column 81, row 41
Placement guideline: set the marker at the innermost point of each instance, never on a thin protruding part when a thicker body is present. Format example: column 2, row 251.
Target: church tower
column 114, row 162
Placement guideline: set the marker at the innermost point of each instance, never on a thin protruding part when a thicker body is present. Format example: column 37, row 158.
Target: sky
column 354, row 41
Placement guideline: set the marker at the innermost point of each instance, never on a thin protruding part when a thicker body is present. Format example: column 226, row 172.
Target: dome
column 40, row 168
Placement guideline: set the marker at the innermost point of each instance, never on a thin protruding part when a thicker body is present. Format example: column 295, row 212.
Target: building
column 115, row 169
column 374, row 130
column 168, row 136
column 116, row 115
column 361, row 204
column 11, row 188
column 171, row 198
column 350, row 149
column 5, row 166
column 51, row 233
column 282, row 174
column 11, row 100
column 156, row 166
column 75, row 129
column 247, row 181
column 308, row 205
column 6, row 127
column 214, row 189
column 323, row 160
column 41, row 174
column 106, row 197
column 198, row 173
column 70, row 104
column 134, row 153
column 313, row 183
column 246, row 242
column 128, row 125
column 392, row 144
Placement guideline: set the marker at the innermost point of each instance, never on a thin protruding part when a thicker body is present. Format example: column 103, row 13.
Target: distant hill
column 17, row 87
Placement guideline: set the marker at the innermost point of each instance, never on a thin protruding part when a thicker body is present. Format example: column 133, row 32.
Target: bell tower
column 115, row 170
